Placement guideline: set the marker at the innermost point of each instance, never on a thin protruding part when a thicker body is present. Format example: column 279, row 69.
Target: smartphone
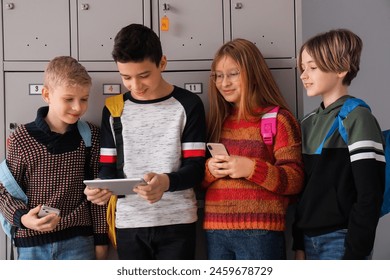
column 217, row 149
column 46, row 210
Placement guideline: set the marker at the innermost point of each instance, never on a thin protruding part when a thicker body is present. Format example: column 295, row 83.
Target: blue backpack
column 348, row 106
column 16, row 191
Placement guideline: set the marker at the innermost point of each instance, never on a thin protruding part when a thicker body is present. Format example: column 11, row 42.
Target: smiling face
column 319, row 83
column 143, row 79
column 228, row 80
column 66, row 105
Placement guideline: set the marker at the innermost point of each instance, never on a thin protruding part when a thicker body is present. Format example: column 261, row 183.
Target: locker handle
column 13, row 126
column 84, row 7
column 238, row 6
column 10, row 6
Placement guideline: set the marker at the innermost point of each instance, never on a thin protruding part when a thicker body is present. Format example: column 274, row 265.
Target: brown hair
column 66, row 71
column 259, row 88
column 336, row 51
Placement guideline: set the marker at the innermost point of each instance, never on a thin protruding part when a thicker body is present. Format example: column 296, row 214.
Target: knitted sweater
column 49, row 167
column 261, row 200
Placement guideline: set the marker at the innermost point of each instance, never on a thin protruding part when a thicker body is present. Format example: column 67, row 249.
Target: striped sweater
column 261, row 200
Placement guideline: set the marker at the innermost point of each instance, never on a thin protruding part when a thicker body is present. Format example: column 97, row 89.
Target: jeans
column 245, row 245
column 328, row 246
column 76, row 248
column 172, row 242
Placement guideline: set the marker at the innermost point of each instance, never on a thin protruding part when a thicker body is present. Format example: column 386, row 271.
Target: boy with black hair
column 163, row 131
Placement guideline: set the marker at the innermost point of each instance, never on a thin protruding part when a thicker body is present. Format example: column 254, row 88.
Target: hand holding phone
column 217, row 149
column 46, row 210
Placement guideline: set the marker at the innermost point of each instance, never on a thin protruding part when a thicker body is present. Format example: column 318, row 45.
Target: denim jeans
column 76, row 248
column 245, row 245
column 328, row 246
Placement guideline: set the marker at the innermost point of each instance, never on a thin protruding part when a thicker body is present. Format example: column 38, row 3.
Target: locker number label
column 35, row 89
column 111, row 89
column 194, row 87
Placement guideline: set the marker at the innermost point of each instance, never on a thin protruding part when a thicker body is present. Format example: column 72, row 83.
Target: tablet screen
column 117, row 186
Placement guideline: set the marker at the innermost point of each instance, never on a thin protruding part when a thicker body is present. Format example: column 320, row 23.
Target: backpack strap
column 115, row 105
column 16, row 191
column 349, row 105
column 386, row 195
column 268, row 125
column 86, row 134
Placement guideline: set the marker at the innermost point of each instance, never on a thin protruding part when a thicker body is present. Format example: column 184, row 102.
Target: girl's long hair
column 258, row 86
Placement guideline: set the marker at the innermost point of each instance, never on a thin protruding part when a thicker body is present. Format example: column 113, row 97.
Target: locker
column 36, row 30
column 98, row 23
column 21, row 89
column 104, row 84
column 195, row 28
column 271, row 26
column 195, row 81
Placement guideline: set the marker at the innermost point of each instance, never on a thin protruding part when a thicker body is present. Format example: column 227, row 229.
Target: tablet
column 117, row 186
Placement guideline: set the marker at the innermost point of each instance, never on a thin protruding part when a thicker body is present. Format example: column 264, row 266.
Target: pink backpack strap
column 268, row 125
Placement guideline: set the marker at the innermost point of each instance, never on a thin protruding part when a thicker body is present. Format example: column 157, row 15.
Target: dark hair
column 336, row 51
column 136, row 43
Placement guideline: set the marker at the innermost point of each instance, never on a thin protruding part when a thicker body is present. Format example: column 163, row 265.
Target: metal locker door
column 104, row 84
column 195, row 29
column 270, row 24
column 195, row 81
column 98, row 23
column 23, row 97
column 285, row 78
column 36, row 30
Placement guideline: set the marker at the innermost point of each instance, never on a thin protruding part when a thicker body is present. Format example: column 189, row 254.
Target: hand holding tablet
column 116, row 186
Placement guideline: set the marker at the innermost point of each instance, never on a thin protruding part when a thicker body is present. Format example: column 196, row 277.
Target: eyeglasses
column 218, row 77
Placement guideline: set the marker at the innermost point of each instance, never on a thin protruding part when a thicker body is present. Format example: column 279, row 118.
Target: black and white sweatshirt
column 165, row 135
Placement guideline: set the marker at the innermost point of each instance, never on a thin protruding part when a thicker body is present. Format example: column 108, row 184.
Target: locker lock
column 84, row 7
column 238, row 6
column 13, row 125
column 9, row 6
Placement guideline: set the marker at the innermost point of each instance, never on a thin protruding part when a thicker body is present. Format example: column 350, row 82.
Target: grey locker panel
column 22, row 103
column 196, row 81
column 269, row 24
column 195, row 29
column 102, row 82
column 285, row 78
column 36, row 30
column 98, row 23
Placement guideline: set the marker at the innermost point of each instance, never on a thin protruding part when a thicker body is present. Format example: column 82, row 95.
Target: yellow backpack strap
column 111, row 219
column 115, row 105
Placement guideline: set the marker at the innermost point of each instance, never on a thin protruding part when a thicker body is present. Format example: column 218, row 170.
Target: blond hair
column 66, row 71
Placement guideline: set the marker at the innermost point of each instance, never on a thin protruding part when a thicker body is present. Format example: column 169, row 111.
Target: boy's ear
column 342, row 74
column 163, row 63
column 45, row 94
